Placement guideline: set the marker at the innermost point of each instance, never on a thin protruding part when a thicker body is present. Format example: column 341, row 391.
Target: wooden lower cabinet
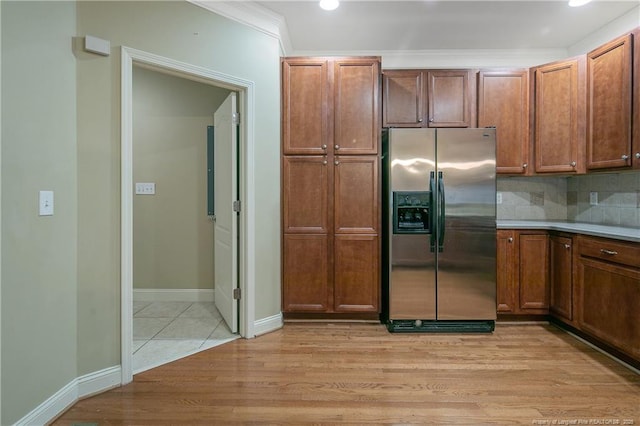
column 608, row 281
column 318, row 278
column 305, row 273
column 561, row 276
column 357, row 264
column 523, row 272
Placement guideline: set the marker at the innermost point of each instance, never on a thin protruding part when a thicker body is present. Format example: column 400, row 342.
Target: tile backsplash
column 607, row 199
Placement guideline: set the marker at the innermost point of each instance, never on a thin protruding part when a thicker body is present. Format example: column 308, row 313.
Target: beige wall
column 172, row 235
column 39, row 269
column 187, row 33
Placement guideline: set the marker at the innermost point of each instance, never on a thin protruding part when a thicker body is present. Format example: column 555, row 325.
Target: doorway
column 176, row 306
column 245, row 269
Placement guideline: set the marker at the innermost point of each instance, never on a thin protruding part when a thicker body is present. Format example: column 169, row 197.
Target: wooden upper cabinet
column 403, row 104
column 356, row 83
column 503, row 102
column 330, row 105
column 305, row 194
column 560, row 115
column 305, row 106
column 609, row 84
column 428, row 98
column 449, row 97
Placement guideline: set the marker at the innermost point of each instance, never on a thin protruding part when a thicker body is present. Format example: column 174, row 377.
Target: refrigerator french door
column 440, row 212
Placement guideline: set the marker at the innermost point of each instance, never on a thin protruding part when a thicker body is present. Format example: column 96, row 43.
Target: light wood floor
column 361, row 374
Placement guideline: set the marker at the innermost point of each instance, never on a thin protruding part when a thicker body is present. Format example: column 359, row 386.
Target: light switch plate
column 46, row 203
column 593, row 198
column 145, row 188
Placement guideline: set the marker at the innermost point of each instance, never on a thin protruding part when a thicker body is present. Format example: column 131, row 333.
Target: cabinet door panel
column 561, row 284
column 305, row 189
column 449, row 98
column 356, row 92
column 503, row 102
column 305, row 106
column 403, row 104
column 356, row 273
column 610, row 296
column 356, row 196
column 506, row 278
column 305, row 273
column 534, row 270
column 609, row 104
column 559, row 129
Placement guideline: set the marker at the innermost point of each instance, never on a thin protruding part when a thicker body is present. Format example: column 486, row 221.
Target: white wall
column 186, row 33
column 39, row 285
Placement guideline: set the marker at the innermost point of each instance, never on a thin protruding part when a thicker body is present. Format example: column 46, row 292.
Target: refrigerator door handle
column 441, row 212
column 432, row 212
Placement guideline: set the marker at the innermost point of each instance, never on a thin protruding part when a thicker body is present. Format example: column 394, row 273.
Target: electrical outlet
column 145, row 188
column 498, row 197
column 593, row 198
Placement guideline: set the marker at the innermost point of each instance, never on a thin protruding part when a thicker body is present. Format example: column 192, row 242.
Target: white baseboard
column 268, row 324
column 173, row 295
column 75, row 390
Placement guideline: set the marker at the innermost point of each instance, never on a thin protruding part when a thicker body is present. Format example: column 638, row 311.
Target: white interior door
column 226, row 219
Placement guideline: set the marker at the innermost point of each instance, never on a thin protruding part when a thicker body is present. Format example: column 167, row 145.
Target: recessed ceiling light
column 329, row 4
column 576, row 3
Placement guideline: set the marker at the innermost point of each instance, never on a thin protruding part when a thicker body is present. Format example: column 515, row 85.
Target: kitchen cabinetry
column 560, row 116
column 608, row 281
column 636, row 98
column 330, row 185
column 523, row 271
column 561, row 276
column 429, row 98
column 503, row 103
column 609, row 84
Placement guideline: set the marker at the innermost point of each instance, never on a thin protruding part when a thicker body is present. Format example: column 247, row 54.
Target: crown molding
column 252, row 15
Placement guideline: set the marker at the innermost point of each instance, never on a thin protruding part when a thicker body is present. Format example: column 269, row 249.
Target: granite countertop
column 616, row 232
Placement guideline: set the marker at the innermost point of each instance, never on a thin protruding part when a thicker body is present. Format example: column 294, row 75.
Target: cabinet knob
column 337, row 147
column 324, row 146
column 625, row 157
column 567, row 246
column 510, row 239
column 573, row 164
column 525, row 165
column 431, row 120
column 419, row 120
column 336, row 162
column 325, row 161
column 638, row 155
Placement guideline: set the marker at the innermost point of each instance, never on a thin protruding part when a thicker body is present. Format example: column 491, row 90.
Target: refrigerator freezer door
column 466, row 281
column 412, row 285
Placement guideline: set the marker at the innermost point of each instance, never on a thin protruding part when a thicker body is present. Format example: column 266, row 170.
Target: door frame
column 246, row 179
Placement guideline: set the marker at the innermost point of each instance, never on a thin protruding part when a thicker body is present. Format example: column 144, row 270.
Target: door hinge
column 235, row 117
column 237, row 294
column 237, row 206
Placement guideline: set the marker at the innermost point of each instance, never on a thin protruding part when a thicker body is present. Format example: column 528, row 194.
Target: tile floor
column 167, row 331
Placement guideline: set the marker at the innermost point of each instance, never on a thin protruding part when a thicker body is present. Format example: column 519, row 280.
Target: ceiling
column 358, row 26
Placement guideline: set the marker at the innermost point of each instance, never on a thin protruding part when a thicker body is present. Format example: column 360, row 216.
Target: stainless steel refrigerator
column 440, row 216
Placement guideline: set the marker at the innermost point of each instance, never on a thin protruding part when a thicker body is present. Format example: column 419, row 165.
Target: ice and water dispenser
column 411, row 212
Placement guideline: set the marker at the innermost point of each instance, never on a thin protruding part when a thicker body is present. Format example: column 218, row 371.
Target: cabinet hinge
column 235, row 117
column 237, row 206
column 237, row 294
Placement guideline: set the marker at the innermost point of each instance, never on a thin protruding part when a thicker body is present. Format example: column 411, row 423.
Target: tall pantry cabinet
column 330, row 186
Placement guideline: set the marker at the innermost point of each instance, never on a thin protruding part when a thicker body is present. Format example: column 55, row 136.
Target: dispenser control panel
column 411, row 212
